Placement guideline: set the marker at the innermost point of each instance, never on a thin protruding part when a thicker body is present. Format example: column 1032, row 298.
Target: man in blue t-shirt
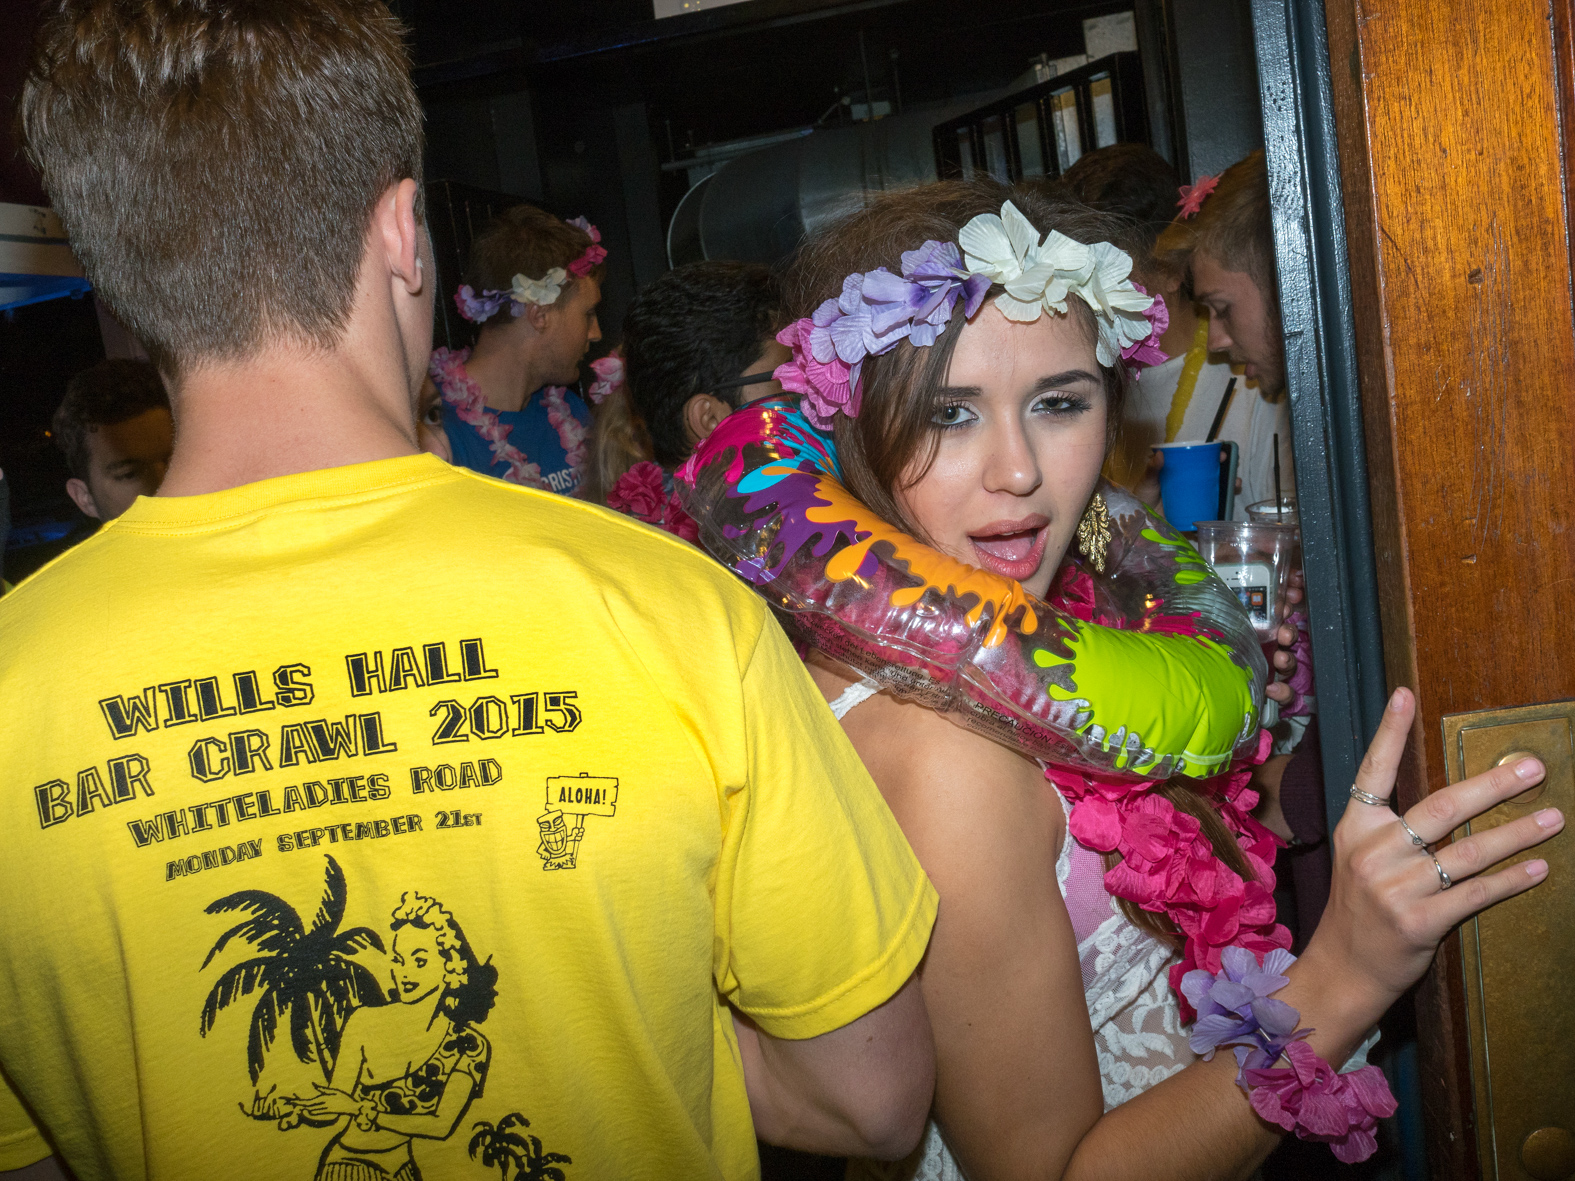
column 533, row 284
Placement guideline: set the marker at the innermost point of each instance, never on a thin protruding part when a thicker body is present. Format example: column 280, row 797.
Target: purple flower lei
column 875, row 311
column 1308, row 1096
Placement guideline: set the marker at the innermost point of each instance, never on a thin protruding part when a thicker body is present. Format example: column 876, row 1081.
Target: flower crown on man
column 877, row 308
column 524, row 291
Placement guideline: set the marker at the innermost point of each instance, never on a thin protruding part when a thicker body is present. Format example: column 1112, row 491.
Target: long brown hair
column 894, row 427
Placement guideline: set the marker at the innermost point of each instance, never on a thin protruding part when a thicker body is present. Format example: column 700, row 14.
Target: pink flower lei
column 448, row 372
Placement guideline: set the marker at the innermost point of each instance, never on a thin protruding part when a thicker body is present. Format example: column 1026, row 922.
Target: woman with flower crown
column 966, row 348
column 533, row 283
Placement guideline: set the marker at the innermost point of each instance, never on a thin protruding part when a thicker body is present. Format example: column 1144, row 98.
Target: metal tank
column 757, row 207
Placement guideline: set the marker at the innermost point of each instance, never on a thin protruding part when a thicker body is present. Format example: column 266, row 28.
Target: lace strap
column 854, row 695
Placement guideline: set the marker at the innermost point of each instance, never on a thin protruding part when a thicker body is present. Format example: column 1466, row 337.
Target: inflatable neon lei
column 1118, row 682
column 1171, row 682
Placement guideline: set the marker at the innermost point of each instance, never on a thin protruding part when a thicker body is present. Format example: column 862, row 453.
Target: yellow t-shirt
column 469, row 803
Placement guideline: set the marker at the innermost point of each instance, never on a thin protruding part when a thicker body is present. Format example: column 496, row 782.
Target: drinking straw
column 1219, row 415
column 1279, row 503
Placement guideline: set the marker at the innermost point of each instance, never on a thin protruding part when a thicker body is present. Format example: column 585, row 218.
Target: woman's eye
column 955, row 414
column 1060, row 404
column 433, row 415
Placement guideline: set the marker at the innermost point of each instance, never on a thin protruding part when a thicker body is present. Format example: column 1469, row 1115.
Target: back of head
column 1132, row 180
column 110, row 392
column 688, row 332
column 894, row 427
column 526, row 240
column 1234, row 227
column 216, row 162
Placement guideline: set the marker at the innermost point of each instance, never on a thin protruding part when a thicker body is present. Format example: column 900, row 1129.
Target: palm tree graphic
column 304, row 976
column 503, row 1148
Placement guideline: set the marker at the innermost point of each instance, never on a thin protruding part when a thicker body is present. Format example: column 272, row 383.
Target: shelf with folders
column 1042, row 130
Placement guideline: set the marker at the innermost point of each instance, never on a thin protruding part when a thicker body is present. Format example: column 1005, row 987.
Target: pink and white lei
column 460, row 391
column 609, row 376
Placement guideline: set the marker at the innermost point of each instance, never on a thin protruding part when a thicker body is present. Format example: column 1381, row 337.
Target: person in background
column 115, row 429
column 1179, row 400
column 619, row 439
column 1223, row 249
column 533, row 284
column 649, row 952
column 697, row 343
column 429, row 424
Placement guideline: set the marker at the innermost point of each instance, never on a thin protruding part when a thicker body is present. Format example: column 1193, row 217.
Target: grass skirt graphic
column 341, row 1021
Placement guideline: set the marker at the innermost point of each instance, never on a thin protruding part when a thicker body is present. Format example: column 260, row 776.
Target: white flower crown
column 1038, row 277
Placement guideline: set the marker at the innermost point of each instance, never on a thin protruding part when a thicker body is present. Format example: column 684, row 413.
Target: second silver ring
column 1411, row 832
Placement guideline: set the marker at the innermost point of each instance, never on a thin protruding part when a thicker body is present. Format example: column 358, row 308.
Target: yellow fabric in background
column 1196, row 356
column 300, row 712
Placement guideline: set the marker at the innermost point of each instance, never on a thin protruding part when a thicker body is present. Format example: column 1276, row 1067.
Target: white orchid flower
column 543, row 292
column 1040, row 276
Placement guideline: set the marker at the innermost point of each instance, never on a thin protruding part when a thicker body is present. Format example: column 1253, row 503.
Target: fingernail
column 1550, row 818
column 1395, row 701
column 1528, row 769
column 1537, row 869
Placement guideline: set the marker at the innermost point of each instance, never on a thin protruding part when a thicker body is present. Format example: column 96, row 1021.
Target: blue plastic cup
column 1189, row 483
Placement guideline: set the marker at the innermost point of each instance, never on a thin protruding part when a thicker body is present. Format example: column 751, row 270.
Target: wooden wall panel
column 1452, row 162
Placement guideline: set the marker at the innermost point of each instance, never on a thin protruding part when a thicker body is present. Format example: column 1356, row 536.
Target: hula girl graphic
column 396, row 1071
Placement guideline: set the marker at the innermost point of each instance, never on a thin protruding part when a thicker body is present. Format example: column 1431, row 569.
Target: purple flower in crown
column 936, row 269
column 875, row 310
column 1235, row 1008
column 477, row 308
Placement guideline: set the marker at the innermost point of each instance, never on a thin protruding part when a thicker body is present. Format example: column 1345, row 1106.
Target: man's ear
column 702, row 413
column 79, row 492
column 395, row 224
column 538, row 315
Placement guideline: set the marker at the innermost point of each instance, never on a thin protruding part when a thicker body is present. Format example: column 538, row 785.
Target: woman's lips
column 1015, row 554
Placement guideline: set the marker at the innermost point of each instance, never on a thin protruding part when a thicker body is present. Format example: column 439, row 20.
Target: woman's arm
column 1017, row 1090
column 1017, row 1082
column 457, row 1091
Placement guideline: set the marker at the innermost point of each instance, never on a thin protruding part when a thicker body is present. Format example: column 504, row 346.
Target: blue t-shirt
column 531, row 432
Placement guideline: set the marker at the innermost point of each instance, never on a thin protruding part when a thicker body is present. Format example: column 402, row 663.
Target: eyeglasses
column 751, row 379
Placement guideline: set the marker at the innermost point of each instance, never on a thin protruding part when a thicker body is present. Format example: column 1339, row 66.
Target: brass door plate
column 1520, row 956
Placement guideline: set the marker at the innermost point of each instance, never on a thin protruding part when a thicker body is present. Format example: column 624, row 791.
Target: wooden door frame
column 1425, row 270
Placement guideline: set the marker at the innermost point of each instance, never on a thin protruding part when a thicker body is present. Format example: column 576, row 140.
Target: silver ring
column 1411, row 832
column 1367, row 797
column 1444, row 880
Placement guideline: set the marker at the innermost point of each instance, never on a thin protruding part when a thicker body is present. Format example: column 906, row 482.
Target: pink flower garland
column 1310, row 1098
column 572, row 433
column 1167, row 864
column 448, row 372
column 641, row 492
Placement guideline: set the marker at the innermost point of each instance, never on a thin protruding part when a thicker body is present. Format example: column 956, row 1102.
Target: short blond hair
column 216, row 162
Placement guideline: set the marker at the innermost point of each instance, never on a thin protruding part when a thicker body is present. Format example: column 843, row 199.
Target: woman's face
column 1022, row 439
column 418, row 966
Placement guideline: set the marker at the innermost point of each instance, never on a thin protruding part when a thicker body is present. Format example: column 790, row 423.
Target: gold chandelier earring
column 1093, row 532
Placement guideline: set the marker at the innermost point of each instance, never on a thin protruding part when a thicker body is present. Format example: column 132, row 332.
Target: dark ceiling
column 743, row 69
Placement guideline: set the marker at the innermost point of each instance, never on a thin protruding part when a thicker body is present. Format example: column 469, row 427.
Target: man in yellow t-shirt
column 364, row 817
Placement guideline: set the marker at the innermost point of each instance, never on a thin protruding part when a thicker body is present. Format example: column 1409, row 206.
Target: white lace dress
column 1136, row 1018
